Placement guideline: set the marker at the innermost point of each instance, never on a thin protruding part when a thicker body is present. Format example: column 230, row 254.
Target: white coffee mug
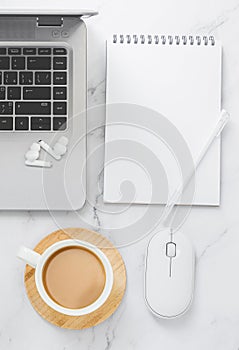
column 38, row 261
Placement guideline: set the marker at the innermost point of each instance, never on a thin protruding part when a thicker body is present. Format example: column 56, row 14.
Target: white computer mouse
column 169, row 275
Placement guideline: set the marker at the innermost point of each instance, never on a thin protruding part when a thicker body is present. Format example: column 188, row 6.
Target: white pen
column 224, row 117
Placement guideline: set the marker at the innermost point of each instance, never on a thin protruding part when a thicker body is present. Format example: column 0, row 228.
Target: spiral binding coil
column 163, row 39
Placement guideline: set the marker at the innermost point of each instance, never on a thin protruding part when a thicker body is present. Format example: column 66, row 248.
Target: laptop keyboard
column 33, row 88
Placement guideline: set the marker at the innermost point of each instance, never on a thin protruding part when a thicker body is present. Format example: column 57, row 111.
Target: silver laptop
column 42, row 97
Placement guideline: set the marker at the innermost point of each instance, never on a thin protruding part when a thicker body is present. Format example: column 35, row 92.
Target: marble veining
column 212, row 322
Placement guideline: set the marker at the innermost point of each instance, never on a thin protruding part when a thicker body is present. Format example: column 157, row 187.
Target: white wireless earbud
column 58, row 150
column 63, row 140
column 60, row 147
column 32, row 157
column 33, row 154
column 35, row 147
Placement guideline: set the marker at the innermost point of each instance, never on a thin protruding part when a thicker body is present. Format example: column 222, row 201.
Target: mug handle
column 28, row 255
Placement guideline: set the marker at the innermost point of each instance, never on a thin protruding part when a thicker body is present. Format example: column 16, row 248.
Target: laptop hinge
column 49, row 21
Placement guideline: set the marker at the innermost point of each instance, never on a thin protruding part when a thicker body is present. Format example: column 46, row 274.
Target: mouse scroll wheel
column 171, row 249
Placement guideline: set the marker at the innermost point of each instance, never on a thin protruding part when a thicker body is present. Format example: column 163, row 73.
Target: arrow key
column 21, row 123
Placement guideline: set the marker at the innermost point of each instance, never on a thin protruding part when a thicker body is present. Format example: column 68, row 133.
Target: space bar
column 33, row 108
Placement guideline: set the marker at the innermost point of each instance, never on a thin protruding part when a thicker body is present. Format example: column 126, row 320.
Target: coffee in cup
column 72, row 277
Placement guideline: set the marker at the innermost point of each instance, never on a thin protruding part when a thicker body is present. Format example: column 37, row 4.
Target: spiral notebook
column 180, row 78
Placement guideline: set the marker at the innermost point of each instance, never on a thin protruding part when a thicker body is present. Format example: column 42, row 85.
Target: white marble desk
column 213, row 321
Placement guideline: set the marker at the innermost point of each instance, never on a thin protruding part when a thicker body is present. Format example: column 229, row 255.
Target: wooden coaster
column 107, row 309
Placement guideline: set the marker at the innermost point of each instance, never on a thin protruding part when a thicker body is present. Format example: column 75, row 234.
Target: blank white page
column 181, row 82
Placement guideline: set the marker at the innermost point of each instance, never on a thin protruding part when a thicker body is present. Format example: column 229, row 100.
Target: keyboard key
column 6, row 108
column 44, row 51
column 2, row 93
column 21, row 123
column 14, row 51
column 59, row 108
column 59, row 93
column 14, row 93
column 18, row 62
column 33, row 108
column 59, row 51
column 59, row 78
column 59, row 63
column 40, row 123
column 4, row 62
column 38, row 63
column 59, row 123
column 29, row 51
column 36, row 93
column 33, row 88
column 43, row 78
column 25, row 78
column 3, row 51
column 10, row 78
column 6, row 123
